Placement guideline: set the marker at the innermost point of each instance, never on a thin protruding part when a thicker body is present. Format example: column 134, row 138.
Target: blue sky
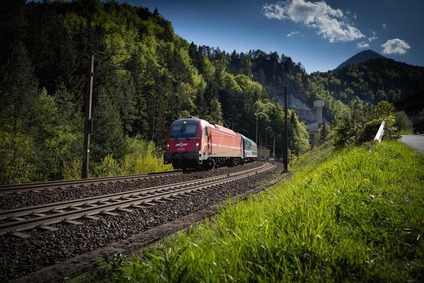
column 319, row 35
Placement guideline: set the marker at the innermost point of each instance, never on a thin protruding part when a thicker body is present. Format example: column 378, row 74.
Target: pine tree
column 12, row 24
column 108, row 136
column 70, row 123
column 298, row 136
column 19, row 106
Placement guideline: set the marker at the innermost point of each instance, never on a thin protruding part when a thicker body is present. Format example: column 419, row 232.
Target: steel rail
column 19, row 212
column 7, row 189
column 44, row 208
column 108, row 203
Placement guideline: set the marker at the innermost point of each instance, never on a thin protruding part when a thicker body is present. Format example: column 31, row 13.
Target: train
column 193, row 143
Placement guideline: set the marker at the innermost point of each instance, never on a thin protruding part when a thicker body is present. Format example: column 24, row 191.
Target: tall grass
column 349, row 215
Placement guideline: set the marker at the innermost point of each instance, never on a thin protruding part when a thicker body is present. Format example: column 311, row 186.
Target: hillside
column 360, row 58
column 145, row 76
column 366, row 76
column 343, row 217
column 370, row 82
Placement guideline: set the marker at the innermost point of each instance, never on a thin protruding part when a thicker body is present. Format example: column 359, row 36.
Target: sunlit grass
column 349, row 215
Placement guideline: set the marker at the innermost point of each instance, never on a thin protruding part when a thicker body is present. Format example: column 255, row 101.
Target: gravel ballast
column 49, row 256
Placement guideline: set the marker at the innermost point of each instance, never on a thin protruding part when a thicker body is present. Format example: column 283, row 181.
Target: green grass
column 349, row 215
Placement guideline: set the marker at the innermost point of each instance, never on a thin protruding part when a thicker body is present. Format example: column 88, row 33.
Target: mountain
column 371, row 81
column 360, row 58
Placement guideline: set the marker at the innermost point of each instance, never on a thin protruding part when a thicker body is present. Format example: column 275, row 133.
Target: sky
column 318, row 34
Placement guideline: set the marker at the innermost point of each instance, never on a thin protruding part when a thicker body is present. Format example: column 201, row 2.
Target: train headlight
column 197, row 145
column 167, row 145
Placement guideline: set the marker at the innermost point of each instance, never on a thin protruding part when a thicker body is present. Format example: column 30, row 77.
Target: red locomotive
column 195, row 143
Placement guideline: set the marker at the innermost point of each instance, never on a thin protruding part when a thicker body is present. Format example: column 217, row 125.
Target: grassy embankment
column 349, row 215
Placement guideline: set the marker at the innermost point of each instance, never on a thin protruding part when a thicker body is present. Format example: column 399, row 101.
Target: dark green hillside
column 145, row 76
column 360, row 58
column 367, row 77
column 373, row 81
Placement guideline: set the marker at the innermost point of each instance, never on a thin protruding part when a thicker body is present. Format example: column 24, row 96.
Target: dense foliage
column 145, row 76
column 372, row 81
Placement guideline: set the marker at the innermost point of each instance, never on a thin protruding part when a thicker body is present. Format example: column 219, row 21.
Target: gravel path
column 75, row 248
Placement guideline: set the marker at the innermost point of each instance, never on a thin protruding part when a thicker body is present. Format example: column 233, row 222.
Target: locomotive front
column 184, row 143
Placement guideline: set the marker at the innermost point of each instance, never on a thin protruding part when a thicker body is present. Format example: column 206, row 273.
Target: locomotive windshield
column 184, row 129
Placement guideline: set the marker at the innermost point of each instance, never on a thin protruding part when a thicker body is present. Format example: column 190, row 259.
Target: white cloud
column 331, row 23
column 362, row 45
column 293, row 33
column 372, row 38
column 395, row 46
column 366, row 44
column 384, row 25
column 274, row 11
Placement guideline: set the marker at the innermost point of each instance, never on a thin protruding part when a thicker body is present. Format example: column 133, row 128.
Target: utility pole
column 256, row 114
column 88, row 123
column 286, row 134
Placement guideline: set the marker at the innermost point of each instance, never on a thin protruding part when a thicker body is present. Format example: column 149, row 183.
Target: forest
column 146, row 76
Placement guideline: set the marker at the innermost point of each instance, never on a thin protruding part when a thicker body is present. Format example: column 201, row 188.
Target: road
column 415, row 142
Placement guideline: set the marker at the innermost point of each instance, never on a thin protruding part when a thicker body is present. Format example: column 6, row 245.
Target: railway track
column 67, row 249
column 27, row 187
column 16, row 221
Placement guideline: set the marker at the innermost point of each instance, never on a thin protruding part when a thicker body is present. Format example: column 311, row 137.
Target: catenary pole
column 286, row 133
column 256, row 114
column 88, row 124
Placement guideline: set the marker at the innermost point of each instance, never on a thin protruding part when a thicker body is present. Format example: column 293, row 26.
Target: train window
column 184, row 129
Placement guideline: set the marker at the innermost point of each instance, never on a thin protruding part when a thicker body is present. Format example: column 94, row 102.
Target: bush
column 72, row 170
column 362, row 124
column 145, row 157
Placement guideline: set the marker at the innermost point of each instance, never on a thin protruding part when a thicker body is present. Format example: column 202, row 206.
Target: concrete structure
column 263, row 153
column 313, row 128
column 319, row 104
